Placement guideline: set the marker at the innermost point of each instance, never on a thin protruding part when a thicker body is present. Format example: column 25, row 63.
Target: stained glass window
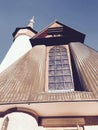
column 60, row 78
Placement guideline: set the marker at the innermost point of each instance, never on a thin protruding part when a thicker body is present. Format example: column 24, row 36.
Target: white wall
column 1, row 122
column 91, row 127
column 20, row 46
column 21, row 121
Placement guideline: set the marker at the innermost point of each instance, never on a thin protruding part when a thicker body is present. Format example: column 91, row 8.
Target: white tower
column 20, row 46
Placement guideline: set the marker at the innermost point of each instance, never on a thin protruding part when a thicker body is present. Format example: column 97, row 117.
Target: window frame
column 47, row 69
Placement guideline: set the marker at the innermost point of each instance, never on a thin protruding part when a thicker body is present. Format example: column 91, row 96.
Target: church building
column 49, row 80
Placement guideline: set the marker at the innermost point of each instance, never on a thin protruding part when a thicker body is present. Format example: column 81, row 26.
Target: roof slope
column 86, row 61
column 24, row 81
column 24, row 77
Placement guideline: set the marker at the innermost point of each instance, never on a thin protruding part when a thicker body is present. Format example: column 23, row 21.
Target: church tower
column 20, row 46
column 52, row 84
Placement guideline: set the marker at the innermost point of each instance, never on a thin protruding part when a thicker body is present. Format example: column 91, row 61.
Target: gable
column 55, row 25
column 57, row 34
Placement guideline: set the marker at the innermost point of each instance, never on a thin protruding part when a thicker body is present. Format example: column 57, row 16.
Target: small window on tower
column 59, row 73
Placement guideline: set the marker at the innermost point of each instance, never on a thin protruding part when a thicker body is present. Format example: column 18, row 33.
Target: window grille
column 60, row 78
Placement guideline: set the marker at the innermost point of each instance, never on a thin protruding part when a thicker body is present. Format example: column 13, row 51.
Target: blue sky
column 81, row 15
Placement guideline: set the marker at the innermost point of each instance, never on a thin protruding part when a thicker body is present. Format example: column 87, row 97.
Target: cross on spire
column 31, row 22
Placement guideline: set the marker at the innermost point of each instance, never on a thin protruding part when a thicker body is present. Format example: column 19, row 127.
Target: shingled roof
column 24, row 81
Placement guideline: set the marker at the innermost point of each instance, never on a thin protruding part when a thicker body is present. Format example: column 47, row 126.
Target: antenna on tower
column 31, row 22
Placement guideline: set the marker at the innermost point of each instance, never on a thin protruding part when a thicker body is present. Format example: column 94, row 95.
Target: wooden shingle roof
column 24, row 77
column 24, row 81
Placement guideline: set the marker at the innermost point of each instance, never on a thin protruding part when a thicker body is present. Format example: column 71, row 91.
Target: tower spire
column 31, row 22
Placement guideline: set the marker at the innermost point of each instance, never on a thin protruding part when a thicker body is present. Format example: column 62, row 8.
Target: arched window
column 19, row 121
column 60, row 78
